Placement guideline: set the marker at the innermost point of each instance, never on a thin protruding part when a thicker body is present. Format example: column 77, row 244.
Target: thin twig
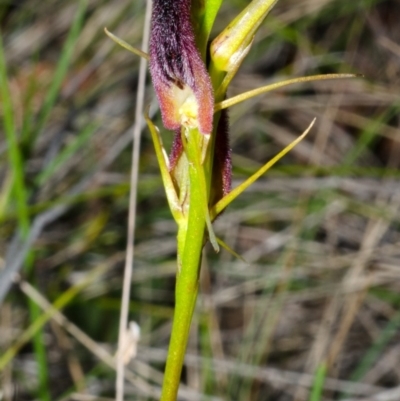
column 100, row 352
column 132, row 209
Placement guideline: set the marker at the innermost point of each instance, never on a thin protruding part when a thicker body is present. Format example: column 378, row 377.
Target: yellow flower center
column 188, row 108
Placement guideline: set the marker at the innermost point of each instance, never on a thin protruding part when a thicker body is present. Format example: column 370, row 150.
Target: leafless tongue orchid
column 180, row 78
column 193, row 102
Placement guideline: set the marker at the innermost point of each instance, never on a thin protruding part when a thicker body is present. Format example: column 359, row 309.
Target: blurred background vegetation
column 312, row 315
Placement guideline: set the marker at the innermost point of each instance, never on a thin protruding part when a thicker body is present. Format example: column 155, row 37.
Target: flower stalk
column 191, row 235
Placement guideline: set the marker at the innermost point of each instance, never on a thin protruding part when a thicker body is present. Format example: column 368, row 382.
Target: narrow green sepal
column 226, row 200
column 162, row 159
column 126, row 45
column 230, row 250
column 268, row 88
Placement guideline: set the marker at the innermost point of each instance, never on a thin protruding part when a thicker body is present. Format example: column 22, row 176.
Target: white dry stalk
column 119, row 385
column 142, row 384
column 128, row 350
column 99, row 351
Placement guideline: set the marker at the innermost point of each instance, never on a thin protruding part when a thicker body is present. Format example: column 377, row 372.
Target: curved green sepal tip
column 170, row 191
column 226, row 200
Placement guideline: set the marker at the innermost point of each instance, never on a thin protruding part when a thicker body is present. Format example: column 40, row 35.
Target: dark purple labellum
column 180, row 78
column 222, row 165
column 176, row 150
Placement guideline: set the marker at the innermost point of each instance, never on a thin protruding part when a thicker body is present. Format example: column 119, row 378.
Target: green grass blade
column 62, row 68
column 69, row 151
column 376, row 350
column 5, row 196
column 20, row 193
column 14, row 154
column 370, row 134
column 39, row 348
column 64, row 299
column 318, row 385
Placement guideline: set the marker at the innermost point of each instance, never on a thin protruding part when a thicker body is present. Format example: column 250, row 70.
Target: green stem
column 318, row 385
column 20, row 193
column 190, row 245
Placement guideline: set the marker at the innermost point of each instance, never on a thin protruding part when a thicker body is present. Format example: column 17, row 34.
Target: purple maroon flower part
column 222, row 166
column 180, row 78
column 176, row 150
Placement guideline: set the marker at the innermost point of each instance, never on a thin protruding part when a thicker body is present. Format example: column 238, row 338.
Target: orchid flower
column 180, row 78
